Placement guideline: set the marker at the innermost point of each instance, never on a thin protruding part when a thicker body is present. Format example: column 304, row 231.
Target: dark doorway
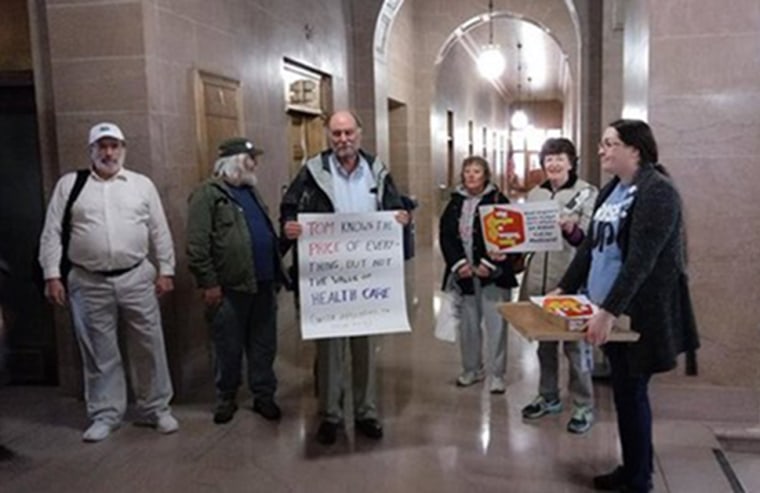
column 31, row 355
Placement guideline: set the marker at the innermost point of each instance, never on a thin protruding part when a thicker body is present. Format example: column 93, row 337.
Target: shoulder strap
column 79, row 183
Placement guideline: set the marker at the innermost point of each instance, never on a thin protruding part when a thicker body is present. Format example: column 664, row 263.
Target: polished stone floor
column 438, row 438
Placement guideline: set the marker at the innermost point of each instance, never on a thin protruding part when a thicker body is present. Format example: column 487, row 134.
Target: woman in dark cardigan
column 633, row 262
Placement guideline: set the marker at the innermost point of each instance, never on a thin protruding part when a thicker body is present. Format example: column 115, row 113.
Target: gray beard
column 249, row 179
column 109, row 168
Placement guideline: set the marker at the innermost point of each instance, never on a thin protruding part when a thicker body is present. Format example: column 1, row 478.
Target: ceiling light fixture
column 491, row 62
column 519, row 118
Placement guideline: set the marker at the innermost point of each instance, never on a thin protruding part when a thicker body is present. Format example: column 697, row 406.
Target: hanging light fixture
column 519, row 118
column 491, row 62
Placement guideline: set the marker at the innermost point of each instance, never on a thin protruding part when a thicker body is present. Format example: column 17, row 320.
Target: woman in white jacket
column 576, row 197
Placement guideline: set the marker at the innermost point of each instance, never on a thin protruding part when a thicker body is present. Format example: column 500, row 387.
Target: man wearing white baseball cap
column 100, row 224
column 105, row 129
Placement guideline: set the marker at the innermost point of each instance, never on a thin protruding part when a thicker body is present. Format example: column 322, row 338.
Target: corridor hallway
column 438, row 438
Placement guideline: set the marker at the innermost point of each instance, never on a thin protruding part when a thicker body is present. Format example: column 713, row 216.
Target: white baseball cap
column 105, row 129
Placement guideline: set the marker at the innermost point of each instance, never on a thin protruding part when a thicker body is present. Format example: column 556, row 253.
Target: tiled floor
column 439, row 438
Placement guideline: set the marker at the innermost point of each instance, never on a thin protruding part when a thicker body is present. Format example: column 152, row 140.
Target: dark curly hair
column 560, row 145
column 638, row 134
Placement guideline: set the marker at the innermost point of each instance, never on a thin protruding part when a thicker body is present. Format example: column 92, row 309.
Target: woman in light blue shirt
column 633, row 262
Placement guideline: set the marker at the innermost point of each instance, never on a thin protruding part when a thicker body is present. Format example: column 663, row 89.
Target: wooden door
column 219, row 116
column 307, row 138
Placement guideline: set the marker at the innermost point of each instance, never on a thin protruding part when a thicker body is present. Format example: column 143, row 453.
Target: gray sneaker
column 497, row 385
column 541, row 407
column 469, row 378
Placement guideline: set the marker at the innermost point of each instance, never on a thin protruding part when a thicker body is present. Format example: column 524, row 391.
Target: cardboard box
column 576, row 310
column 535, row 324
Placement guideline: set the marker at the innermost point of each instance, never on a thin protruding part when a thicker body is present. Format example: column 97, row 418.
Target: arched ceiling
column 540, row 57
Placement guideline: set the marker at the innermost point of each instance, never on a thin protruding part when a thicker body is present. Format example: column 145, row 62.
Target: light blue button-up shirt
column 355, row 192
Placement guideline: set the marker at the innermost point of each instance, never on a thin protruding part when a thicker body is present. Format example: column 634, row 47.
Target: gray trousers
column 481, row 309
column 96, row 303
column 331, row 357
column 580, row 362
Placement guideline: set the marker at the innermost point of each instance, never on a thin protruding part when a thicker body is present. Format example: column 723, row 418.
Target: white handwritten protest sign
column 351, row 275
column 527, row 227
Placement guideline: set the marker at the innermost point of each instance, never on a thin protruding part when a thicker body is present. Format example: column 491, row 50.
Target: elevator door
column 31, row 354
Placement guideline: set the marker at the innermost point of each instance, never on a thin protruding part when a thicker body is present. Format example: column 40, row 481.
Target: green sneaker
column 583, row 418
column 541, row 407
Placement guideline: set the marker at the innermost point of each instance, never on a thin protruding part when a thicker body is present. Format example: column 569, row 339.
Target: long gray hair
column 233, row 170
column 230, row 166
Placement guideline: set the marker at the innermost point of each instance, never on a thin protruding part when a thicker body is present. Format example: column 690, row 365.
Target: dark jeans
column 246, row 322
column 634, row 417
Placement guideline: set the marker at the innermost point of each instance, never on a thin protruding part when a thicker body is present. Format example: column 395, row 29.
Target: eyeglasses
column 609, row 144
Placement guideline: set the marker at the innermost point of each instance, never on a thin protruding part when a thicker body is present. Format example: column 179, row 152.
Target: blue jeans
column 634, row 417
column 246, row 322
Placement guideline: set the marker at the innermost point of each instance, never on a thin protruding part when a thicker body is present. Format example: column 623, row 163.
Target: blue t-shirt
column 262, row 239
column 606, row 257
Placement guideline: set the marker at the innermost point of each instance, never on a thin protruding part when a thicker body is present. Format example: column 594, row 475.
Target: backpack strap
column 79, row 184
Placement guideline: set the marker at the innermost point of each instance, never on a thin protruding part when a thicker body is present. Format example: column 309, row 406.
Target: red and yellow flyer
column 527, row 227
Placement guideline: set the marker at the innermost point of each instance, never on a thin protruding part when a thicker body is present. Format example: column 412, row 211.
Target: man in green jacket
column 233, row 254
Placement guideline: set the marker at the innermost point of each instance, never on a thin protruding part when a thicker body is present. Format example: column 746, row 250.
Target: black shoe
column 611, row 481
column 6, row 454
column 370, row 428
column 615, row 481
column 631, row 489
column 267, row 408
column 327, row 433
column 224, row 411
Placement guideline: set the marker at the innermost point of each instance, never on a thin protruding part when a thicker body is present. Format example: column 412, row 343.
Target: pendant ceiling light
column 491, row 62
column 519, row 118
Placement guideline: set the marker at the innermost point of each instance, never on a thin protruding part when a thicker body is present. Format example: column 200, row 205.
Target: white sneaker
column 497, row 385
column 98, row 430
column 167, row 424
column 469, row 378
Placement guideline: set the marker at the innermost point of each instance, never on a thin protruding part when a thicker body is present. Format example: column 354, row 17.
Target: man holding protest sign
column 342, row 179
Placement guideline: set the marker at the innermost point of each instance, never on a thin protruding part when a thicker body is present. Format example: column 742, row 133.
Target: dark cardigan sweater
column 652, row 286
column 453, row 249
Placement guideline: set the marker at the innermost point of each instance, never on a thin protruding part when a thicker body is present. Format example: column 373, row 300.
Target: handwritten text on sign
column 528, row 227
column 351, row 275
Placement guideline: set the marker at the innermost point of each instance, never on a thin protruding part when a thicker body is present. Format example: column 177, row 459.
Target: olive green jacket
column 219, row 248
